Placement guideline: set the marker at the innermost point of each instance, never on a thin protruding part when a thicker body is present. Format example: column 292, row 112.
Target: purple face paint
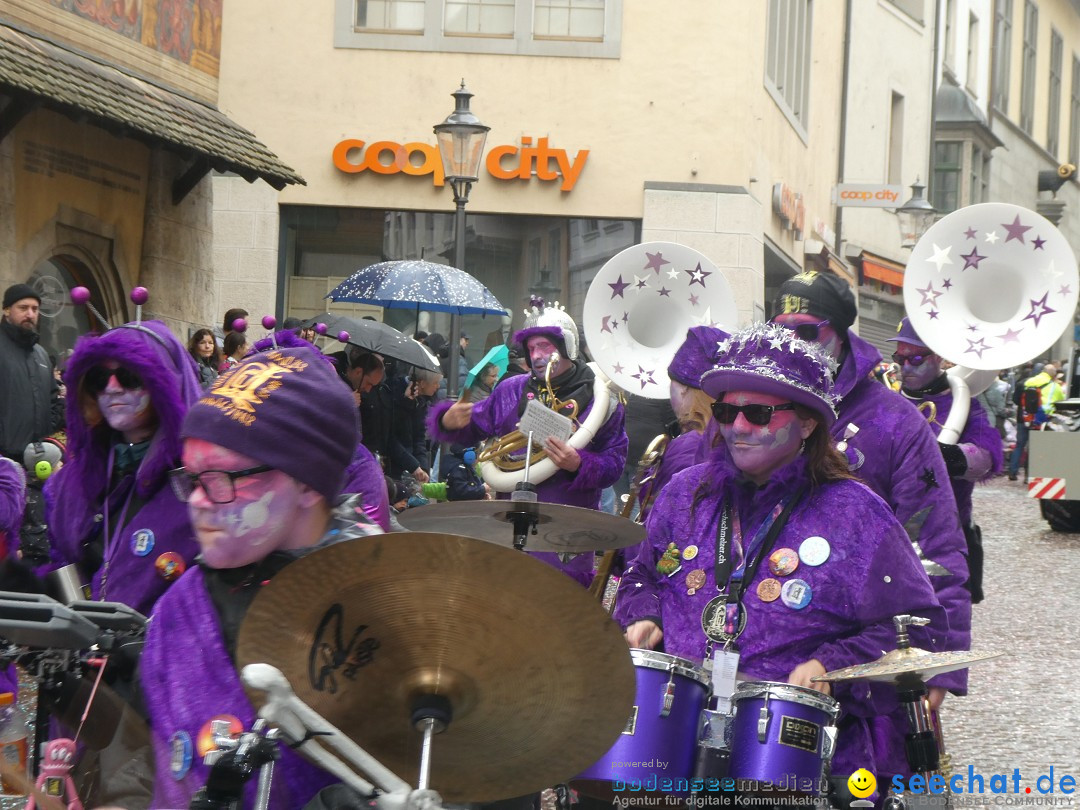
column 127, row 412
column 915, row 378
column 828, row 338
column 257, row 523
column 759, row 450
column 540, row 350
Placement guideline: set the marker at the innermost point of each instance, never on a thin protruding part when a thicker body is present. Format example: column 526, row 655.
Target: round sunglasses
column 726, row 412
column 97, row 379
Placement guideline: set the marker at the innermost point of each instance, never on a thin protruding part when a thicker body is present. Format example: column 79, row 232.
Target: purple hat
column 768, row 359
column 12, row 500
column 905, row 333
column 285, row 408
column 696, row 355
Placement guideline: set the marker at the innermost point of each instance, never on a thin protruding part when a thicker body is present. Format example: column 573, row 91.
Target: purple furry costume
column 602, row 460
column 141, row 519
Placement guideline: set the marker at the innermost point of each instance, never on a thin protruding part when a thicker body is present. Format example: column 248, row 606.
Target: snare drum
column 657, row 749
column 782, row 735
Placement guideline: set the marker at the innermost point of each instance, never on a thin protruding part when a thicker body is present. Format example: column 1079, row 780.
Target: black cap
column 824, row 295
column 17, row 292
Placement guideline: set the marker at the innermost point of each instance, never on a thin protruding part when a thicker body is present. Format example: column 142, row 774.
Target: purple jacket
column 76, row 496
column 870, row 575
column 602, row 461
column 364, row 477
column 894, row 452
column 980, row 443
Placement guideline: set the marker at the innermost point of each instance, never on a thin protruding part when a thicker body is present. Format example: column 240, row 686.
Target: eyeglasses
column 913, row 360
column 97, row 379
column 726, row 413
column 219, row 485
column 806, row 331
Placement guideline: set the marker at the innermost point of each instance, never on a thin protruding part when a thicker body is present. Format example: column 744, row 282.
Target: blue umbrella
column 499, row 355
column 418, row 284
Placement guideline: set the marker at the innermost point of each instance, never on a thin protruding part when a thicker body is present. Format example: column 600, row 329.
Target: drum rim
column 652, row 659
column 748, row 690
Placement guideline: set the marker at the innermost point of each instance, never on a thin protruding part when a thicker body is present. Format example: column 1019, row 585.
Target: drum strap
column 736, row 578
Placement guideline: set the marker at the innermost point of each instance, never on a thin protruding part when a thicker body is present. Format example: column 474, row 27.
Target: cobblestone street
column 1023, row 709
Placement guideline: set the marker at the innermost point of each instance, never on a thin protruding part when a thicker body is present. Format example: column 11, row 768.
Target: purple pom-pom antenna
column 239, row 325
column 80, row 295
column 269, row 322
column 343, row 336
column 320, row 328
column 139, row 296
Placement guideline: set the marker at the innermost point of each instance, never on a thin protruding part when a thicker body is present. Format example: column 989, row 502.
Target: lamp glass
column 461, row 147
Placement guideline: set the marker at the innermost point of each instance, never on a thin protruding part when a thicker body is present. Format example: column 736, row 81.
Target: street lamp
column 461, row 140
column 916, row 216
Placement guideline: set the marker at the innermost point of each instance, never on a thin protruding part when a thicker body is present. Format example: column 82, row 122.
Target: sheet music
column 544, row 423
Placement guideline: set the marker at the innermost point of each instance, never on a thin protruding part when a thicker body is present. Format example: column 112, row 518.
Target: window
column 569, row 28
column 1003, row 11
column 948, row 157
column 950, row 34
column 404, row 16
column 485, row 18
column 972, row 77
column 787, row 58
column 1053, row 113
column 1074, row 113
column 569, row 19
column 1027, row 67
column 913, row 8
column 895, row 172
column 980, row 176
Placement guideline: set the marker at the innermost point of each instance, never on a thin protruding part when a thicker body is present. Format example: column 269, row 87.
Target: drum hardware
column 233, row 762
column 377, row 633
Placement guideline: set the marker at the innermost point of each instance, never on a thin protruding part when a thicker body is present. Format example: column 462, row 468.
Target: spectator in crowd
column 231, row 316
column 463, row 483
column 1034, row 398
column 236, row 346
column 483, row 383
column 995, row 401
column 206, row 356
column 409, row 445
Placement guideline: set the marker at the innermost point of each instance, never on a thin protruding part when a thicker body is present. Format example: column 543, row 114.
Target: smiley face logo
column 861, row 783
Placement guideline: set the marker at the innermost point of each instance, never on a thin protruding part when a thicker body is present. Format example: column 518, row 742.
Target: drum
column 782, row 738
column 658, row 747
column 714, row 743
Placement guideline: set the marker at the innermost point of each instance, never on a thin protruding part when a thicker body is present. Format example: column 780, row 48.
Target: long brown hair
column 823, row 461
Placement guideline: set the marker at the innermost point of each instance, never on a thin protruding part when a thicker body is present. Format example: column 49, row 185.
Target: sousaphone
column 640, row 305
column 989, row 287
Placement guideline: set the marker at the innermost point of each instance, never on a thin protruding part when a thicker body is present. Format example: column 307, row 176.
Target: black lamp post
column 916, row 216
column 461, row 140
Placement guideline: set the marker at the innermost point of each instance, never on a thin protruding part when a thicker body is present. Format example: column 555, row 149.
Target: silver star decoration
column 941, row 256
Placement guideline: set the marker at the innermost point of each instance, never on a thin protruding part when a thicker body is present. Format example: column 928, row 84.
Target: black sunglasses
column 806, row 331
column 913, row 360
column 97, row 379
column 726, row 412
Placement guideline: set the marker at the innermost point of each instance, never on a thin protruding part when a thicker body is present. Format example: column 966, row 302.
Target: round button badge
column 796, row 594
column 783, row 561
column 814, row 550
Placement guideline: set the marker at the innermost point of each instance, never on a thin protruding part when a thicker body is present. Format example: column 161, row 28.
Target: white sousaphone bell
column 640, row 305
column 989, row 287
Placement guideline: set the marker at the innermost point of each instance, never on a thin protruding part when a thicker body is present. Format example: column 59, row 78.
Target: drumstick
column 17, row 778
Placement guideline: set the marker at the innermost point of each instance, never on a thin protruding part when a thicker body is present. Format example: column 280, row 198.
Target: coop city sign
column 506, row 162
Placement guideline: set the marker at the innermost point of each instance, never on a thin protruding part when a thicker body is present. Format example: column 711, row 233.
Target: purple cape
column 364, row 477
column 76, row 495
column 870, row 575
column 602, row 460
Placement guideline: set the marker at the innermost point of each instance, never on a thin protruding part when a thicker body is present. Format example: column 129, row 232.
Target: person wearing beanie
column 581, row 474
column 261, row 480
column 31, row 407
column 976, row 457
column 891, row 448
column 801, row 593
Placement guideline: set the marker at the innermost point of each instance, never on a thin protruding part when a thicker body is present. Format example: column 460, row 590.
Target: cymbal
column 538, row 676
column 911, row 661
column 568, row 529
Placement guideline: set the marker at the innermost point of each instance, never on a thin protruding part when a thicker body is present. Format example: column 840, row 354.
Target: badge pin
column 796, row 594
column 181, row 753
column 142, row 542
column 220, row 725
column 814, row 550
column 783, row 561
column 689, row 553
column 768, row 590
column 694, row 580
column 668, row 563
column 170, row 566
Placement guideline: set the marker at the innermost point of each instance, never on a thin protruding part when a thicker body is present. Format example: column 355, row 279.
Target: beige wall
column 685, row 102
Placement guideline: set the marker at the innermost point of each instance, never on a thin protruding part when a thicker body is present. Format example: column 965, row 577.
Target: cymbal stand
column 920, row 743
column 233, row 763
column 299, row 722
column 524, row 509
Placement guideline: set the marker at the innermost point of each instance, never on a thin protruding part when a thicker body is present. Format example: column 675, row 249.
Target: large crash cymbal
column 538, row 676
column 892, row 666
column 568, row 529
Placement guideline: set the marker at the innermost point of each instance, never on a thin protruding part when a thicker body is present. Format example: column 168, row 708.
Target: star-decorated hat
column 905, row 333
column 274, row 402
column 696, row 355
column 766, row 358
column 824, row 295
column 551, row 321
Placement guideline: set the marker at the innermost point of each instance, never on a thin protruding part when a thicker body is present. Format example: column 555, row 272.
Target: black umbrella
column 376, row 336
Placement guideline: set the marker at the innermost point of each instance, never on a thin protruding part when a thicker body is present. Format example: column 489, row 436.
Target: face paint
column 828, row 338
column 257, row 523
column 540, row 350
column 126, row 411
column 759, row 450
column 915, row 378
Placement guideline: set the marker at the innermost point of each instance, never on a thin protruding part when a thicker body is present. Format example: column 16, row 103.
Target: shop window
column 787, row 59
column 1053, row 112
column 1003, row 11
column 1027, row 67
column 571, row 28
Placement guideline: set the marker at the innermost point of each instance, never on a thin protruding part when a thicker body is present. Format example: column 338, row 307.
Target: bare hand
column 487, row 492
column 644, row 635
column 936, row 696
column 457, row 415
column 358, row 398
column 420, row 475
column 563, row 455
column 801, row 675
